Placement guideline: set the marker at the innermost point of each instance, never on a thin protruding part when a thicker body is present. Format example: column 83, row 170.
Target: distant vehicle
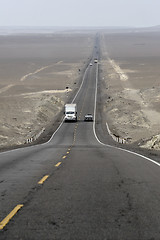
column 95, row 60
column 88, row 117
column 70, row 112
column 90, row 64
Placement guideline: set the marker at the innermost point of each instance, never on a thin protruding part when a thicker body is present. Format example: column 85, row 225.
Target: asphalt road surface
column 89, row 191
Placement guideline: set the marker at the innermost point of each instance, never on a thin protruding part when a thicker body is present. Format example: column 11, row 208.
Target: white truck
column 70, row 112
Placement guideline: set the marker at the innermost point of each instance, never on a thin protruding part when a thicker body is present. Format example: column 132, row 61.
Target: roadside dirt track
column 37, row 75
column 130, row 70
column 39, row 72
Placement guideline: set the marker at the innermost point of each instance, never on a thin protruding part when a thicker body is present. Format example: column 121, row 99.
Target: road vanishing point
column 75, row 187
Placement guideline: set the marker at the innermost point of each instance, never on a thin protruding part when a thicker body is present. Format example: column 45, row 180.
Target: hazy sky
column 79, row 12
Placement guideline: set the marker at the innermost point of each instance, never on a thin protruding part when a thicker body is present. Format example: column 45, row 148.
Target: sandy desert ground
column 38, row 72
column 130, row 68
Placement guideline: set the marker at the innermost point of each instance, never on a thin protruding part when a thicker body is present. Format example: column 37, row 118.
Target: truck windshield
column 69, row 112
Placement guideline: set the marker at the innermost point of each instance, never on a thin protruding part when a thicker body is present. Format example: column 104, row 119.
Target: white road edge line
column 18, row 149
column 72, row 102
column 137, row 154
column 81, row 84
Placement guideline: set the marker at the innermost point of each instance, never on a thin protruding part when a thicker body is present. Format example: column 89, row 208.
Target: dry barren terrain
column 37, row 74
column 130, row 68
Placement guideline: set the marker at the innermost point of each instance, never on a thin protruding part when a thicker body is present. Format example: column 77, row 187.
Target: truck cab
column 70, row 112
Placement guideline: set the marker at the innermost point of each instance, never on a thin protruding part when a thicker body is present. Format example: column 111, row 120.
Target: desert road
column 74, row 187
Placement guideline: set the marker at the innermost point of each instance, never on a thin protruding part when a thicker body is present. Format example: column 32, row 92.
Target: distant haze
column 132, row 13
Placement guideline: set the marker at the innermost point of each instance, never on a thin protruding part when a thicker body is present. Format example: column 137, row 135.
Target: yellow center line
column 67, row 152
column 43, row 179
column 10, row 215
column 57, row 165
column 64, row 157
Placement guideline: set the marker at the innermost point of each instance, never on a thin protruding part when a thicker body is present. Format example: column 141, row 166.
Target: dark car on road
column 88, row 117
